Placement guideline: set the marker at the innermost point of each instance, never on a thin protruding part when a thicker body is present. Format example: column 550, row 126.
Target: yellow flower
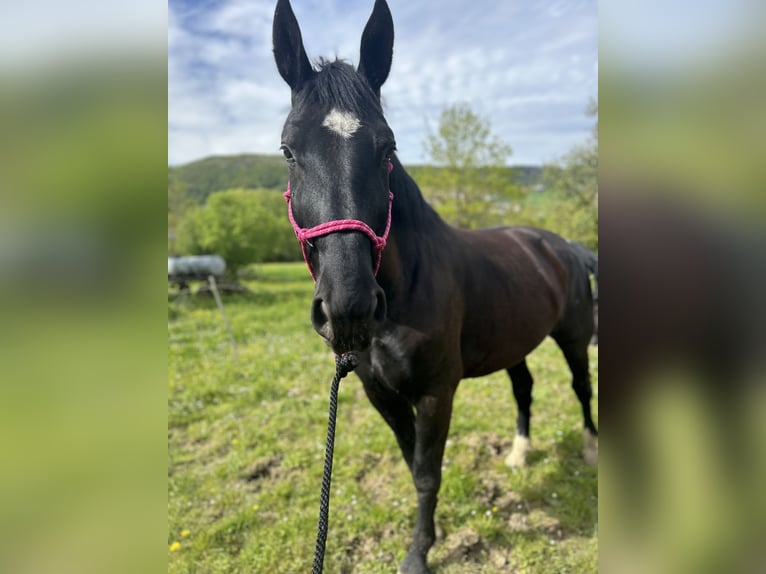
column 235, row 441
column 494, row 509
column 175, row 547
column 185, row 533
column 255, row 507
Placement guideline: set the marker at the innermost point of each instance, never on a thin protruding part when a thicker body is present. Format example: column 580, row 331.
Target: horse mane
column 416, row 223
column 337, row 84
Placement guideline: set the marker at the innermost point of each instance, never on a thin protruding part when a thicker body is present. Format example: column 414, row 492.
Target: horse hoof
column 518, row 456
column 590, row 448
column 414, row 563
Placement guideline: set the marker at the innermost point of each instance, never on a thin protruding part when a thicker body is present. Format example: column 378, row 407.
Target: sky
column 529, row 67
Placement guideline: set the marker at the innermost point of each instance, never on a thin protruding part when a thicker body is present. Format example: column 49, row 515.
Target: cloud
column 37, row 33
column 527, row 67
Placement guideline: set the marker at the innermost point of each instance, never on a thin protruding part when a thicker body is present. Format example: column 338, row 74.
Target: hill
column 200, row 178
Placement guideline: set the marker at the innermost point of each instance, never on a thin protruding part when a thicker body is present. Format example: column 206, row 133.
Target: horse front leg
column 431, row 427
column 397, row 412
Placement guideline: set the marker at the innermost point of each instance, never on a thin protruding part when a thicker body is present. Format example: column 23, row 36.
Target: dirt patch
column 358, row 549
column 517, row 522
column 263, row 468
column 509, row 501
column 477, row 448
column 543, row 522
column 491, row 442
column 465, row 545
column 375, row 477
column 466, row 551
column 500, row 558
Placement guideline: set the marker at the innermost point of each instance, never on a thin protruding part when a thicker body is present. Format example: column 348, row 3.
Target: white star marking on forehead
column 342, row 123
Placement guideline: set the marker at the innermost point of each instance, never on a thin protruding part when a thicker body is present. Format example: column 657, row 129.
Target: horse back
column 519, row 284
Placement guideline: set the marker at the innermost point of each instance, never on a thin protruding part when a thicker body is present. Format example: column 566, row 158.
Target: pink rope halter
column 304, row 235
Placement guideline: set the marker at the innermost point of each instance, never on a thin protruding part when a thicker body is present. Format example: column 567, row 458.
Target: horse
column 421, row 304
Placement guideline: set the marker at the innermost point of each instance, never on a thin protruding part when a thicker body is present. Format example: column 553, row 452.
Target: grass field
column 246, row 446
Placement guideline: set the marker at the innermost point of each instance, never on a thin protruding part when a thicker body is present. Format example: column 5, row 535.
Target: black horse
column 442, row 304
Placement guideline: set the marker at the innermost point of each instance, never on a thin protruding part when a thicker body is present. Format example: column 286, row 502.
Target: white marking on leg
column 518, row 456
column 344, row 124
column 590, row 447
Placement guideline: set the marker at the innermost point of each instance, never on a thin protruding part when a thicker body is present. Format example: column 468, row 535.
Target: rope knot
column 345, row 363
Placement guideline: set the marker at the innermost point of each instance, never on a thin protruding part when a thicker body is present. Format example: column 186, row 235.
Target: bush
column 243, row 226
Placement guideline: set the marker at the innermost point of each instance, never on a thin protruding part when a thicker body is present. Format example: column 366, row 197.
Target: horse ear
column 292, row 62
column 377, row 46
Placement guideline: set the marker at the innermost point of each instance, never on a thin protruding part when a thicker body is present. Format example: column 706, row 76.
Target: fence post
column 217, row 296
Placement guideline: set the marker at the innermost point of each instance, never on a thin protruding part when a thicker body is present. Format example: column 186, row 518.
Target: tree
column 470, row 186
column 573, row 183
column 242, row 226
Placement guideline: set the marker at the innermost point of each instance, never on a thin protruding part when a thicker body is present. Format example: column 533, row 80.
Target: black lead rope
column 344, row 364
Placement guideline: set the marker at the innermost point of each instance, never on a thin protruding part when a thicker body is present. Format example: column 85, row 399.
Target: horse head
column 339, row 151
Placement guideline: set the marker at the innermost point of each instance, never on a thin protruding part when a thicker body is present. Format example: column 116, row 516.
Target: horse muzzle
column 348, row 323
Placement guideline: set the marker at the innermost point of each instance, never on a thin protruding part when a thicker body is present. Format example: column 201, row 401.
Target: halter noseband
column 304, row 235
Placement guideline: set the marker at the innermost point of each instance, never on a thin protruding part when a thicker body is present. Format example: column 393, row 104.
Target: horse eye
column 287, row 153
column 389, row 157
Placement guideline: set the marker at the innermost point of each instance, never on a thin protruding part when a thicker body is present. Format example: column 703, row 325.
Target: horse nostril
column 379, row 309
column 318, row 315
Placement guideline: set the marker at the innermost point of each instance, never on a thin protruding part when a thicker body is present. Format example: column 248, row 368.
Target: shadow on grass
column 551, row 500
column 568, row 491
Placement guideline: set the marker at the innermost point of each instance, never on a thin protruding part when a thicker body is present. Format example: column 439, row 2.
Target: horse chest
column 406, row 361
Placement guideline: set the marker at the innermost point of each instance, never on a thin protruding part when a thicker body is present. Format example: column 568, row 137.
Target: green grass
column 246, row 446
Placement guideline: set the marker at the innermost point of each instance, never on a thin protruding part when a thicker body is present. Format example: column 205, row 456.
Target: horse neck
column 411, row 213
column 416, row 229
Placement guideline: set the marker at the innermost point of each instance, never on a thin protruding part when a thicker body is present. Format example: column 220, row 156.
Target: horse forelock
column 337, row 85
